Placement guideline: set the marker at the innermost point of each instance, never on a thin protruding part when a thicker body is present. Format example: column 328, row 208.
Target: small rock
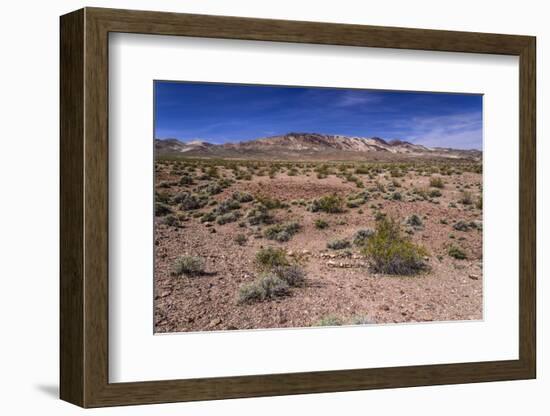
column 215, row 322
column 473, row 276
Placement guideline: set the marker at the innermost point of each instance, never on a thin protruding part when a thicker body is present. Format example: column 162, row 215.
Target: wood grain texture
column 71, row 208
column 84, row 205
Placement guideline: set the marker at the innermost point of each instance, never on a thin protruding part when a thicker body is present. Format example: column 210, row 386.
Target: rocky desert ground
column 253, row 244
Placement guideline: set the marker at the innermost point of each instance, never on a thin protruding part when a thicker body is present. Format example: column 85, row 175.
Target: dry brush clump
column 188, row 265
column 277, row 276
column 389, row 252
column 282, row 232
column 331, row 204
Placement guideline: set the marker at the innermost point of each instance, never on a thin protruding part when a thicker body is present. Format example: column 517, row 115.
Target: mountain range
column 312, row 146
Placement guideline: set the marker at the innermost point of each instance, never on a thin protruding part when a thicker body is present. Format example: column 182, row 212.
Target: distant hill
column 312, row 146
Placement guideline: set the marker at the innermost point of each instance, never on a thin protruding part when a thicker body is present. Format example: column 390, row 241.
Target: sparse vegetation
column 389, row 252
column 338, row 244
column 331, row 204
column 457, row 253
column 188, row 265
column 437, row 182
column 265, row 287
column 240, row 218
column 321, row 224
column 271, row 257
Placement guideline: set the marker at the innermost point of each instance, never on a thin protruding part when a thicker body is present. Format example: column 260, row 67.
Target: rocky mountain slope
column 312, row 146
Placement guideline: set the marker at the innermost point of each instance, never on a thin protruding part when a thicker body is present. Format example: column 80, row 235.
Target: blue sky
column 221, row 113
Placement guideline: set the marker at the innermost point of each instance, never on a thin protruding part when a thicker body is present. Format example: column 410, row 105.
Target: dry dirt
column 338, row 284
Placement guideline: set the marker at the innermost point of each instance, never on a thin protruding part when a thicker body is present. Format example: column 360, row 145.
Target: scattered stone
column 473, row 276
column 215, row 322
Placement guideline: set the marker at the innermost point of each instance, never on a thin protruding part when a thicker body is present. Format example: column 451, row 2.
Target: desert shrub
column 264, row 287
column 242, row 197
column 209, row 217
column 330, row 320
column 338, row 244
column 321, row 224
column 171, row 220
column 362, row 170
column 189, row 201
column 229, row 217
column 390, row 252
column 379, row 186
column 270, row 257
column 434, row 193
column 163, row 197
column 361, row 320
column 282, row 232
column 461, row 226
column 466, row 198
column 269, row 203
column 361, row 237
column 414, row 221
column 292, row 274
column 162, row 209
column 188, row 265
column 227, row 205
column 213, row 188
column 331, row 204
column 396, row 196
column 457, row 253
column 437, row 182
column 259, row 215
column 479, row 203
column 186, row 180
column 241, row 239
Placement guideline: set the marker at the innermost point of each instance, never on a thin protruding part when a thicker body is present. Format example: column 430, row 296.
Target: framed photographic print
column 256, row 207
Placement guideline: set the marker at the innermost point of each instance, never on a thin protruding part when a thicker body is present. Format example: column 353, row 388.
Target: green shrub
column 269, row 203
column 270, row 257
column 241, row 239
column 461, row 226
column 390, row 252
column 434, row 193
column 396, row 196
column 457, row 253
column 437, row 183
column 242, row 197
column 189, row 201
column 186, row 180
column 259, row 215
column 321, row 224
column 188, row 265
column 227, row 205
column 171, row 220
column 162, row 209
column 479, row 203
column 209, row 217
column 265, row 287
column 330, row 320
column 229, row 217
column 331, row 204
column 292, row 274
column 338, row 244
column 414, row 221
column 361, row 237
column 282, row 232
column 466, row 198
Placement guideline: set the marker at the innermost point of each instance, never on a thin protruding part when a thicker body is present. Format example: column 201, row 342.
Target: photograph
column 305, row 206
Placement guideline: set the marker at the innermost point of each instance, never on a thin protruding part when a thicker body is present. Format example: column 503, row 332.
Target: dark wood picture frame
column 84, row 207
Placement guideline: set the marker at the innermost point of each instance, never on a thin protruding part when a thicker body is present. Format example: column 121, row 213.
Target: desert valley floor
column 438, row 206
